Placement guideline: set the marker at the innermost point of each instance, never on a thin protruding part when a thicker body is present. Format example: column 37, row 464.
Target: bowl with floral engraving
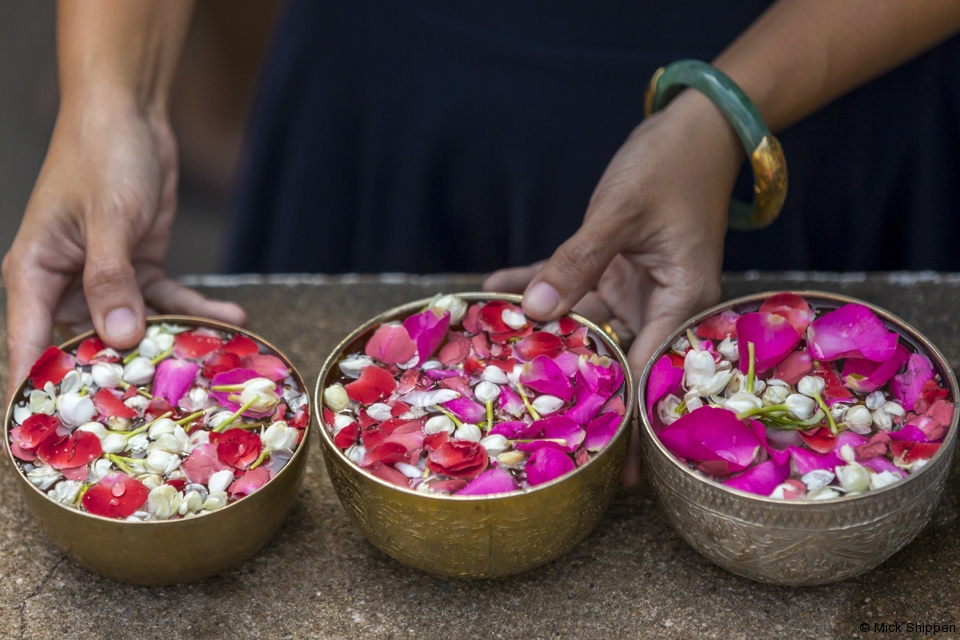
column 798, row 438
column 166, row 463
column 467, row 440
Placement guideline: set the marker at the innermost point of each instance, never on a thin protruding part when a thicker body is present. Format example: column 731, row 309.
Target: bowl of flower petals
column 467, row 440
column 164, row 464
column 798, row 438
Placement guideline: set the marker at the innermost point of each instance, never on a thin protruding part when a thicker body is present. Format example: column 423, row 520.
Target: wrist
column 710, row 131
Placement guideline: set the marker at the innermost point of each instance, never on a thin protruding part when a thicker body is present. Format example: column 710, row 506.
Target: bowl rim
column 194, row 321
column 471, row 296
column 890, row 320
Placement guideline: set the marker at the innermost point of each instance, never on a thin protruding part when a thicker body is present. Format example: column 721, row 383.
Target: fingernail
column 541, row 300
column 120, row 323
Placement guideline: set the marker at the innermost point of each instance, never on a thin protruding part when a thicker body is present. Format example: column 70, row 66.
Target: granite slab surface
column 633, row 577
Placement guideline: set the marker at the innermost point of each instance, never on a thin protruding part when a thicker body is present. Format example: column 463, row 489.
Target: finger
column 633, row 466
column 593, row 308
column 32, row 296
column 573, row 270
column 110, row 285
column 512, row 280
column 172, row 297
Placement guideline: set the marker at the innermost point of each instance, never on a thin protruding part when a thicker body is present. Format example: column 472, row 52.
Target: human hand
column 95, row 235
column 650, row 250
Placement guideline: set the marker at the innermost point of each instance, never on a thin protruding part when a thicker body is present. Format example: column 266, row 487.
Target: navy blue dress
column 429, row 136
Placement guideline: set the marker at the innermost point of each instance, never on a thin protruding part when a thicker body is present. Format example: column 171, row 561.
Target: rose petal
column 427, row 330
column 202, row 463
column 806, row 461
column 385, row 452
column 88, row 350
column 220, row 362
column 458, row 459
column 466, row 410
column 852, row 331
column 117, row 495
column 559, row 432
column 761, row 479
column 75, row 450
column 268, row 366
column 249, row 482
column 173, row 378
column 543, row 375
column 490, row 482
column 664, row 379
column 510, row 402
column 391, row 344
column 516, row 429
column 374, row 384
column 455, row 350
column 907, row 386
column 600, row 431
column 710, row 434
column 238, row 448
column 773, row 339
column 913, row 451
column 600, row 375
column 195, row 345
column 51, row 366
column 864, row 376
column 110, row 406
column 881, row 464
column 547, row 464
column 793, row 367
column 719, row 326
column 241, row 346
column 391, row 475
column 35, row 430
column 539, row 343
column 792, row 307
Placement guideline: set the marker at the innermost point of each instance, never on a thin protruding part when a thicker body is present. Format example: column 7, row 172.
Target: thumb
column 573, row 270
column 110, row 286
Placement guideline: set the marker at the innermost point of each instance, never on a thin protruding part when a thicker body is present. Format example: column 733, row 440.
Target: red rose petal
column 491, row 316
column 193, row 345
column 111, row 406
column 156, row 408
column 347, row 436
column 117, row 495
column 36, row 429
column 719, row 325
column 567, row 325
column 220, row 362
column 388, row 473
column 385, row 452
column 822, row 440
column 238, row 448
column 80, row 448
column 458, row 459
column 249, row 482
column 913, row 451
column 241, row 346
column 436, row 440
column 372, row 437
column 374, row 383
column 539, row 343
column 51, row 366
column 88, row 350
column 76, row 473
column 834, row 390
column 177, row 483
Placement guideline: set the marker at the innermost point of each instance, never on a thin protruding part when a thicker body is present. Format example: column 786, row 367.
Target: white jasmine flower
column 486, row 391
column 220, row 481
column 546, row 404
column 138, row 403
column 883, row 479
column 162, row 426
column 667, row 409
column 742, row 401
column 513, row 318
column 853, row 477
column 800, row 406
column 138, row 443
column 76, row 409
column 858, row 419
column 456, row 306
column 351, row 366
column 692, row 400
column 430, row 365
column 775, row 394
column 408, row 469
column 150, row 480
column 698, row 368
column 195, row 439
column 823, row 493
column 495, row 444
column 65, row 492
column 161, row 462
column 219, row 418
column 811, row 385
column 95, row 428
column 107, row 375
column 164, row 501
column 838, row 410
column 469, row 432
column 379, row 411
column 430, row 398
column 495, row 375
column 893, row 408
column 216, row 500
column 336, row 398
column 43, row 476
column 436, row 424
column 43, row 401
column 882, row 419
column 20, row 413
column 875, row 400
column 138, row 371
column 169, row 442
column 260, row 393
column 279, row 436
column 114, row 443
column 98, row 469
column 680, row 345
column 192, row 502
column 71, row 383
column 817, row 479
column 356, row 453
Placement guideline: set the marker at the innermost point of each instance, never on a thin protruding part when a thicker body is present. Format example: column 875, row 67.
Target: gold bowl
column 797, row 543
column 157, row 552
column 475, row 536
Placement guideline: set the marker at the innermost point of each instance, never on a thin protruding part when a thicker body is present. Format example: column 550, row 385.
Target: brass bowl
column 159, row 552
column 475, row 536
column 797, row 543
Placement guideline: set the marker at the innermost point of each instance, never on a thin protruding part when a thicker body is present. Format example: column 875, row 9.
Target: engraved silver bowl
column 797, row 543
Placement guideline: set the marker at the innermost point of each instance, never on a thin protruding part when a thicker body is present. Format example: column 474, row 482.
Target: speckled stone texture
column 632, row 577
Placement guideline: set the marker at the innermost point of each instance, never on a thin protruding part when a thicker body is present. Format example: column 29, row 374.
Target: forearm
column 802, row 54
column 123, row 48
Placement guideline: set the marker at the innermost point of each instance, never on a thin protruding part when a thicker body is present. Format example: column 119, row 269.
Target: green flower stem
column 126, row 385
column 489, row 414
column 83, row 490
column 445, row 412
column 120, row 461
column 227, row 387
column 142, row 428
column 263, row 456
column 237, row 414
column 826, row 410
column 526, row 401
column 751, row 373
column 133, row 354
column 757, row 411
column 162, row 356
column 83, row 391
column 694, row 343
column 190, row 418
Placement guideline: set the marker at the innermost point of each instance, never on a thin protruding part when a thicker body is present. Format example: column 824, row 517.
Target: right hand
column 95, row 234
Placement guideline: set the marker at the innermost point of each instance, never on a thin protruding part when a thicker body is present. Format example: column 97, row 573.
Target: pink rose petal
column 719, row 325
column 559, row 432
column 664, row 379
column 603, row 377
column 490, row 482
column 852, row 331
column 773, row 339
column 466, row 410
column 173, row 378
column 600, row 431
column 547, row 464
column 427, row 330
column 710, row 434
column 806, row 461
column 586, row 406
column 391, row 344
column 761, row 479
column 516, row 429
column 203, row 462
column 864, row 375
column 881, row 464
column 510, row 402
column 542, row 374
column 249, row 482
column 909, row 433
column 794, row 308
column 455, row 350
column 793, row 367
column 907, row 386
column 270, row 367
